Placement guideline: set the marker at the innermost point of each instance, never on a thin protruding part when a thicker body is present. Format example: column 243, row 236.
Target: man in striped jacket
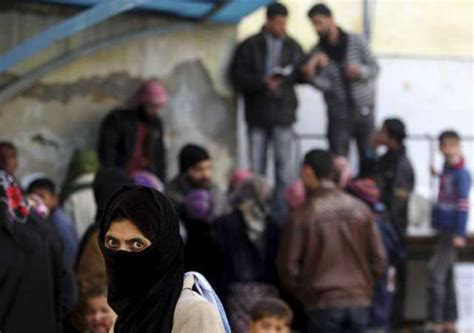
column 342, row 66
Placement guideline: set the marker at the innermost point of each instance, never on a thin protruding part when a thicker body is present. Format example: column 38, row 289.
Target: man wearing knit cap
column 131, row 138
column 195, row 172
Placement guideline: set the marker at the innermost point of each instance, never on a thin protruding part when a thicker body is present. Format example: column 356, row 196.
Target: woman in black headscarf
column 139, row 238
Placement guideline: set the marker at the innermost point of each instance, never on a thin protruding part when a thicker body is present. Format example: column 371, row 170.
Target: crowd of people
column 119, row 246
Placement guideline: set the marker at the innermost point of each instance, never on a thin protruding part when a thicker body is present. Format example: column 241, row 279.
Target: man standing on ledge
column 342, row 66
column 263, row 70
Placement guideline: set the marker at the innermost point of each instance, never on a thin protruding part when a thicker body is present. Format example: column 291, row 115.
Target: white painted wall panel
column 429, row 94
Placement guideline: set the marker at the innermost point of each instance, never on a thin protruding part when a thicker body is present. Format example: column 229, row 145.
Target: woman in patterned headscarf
column 248, row 242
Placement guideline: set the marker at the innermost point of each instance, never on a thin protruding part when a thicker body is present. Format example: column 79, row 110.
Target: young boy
column 449, row 219
column 271, row 315
column 98, row 315
column 46, row 190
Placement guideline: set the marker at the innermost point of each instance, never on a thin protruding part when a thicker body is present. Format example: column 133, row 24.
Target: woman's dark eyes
column 138, row 244
column 112, row 242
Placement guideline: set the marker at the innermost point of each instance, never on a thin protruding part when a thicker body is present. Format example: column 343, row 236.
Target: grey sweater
column 330, row 81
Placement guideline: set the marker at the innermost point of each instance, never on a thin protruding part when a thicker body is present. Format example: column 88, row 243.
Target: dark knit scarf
column 338, row 53
column 144, row 287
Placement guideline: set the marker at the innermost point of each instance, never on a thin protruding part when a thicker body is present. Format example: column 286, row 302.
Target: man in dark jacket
column 342, row 66
column 264, row 71
column 331, row 252
column 132, row 138
column 396, row 179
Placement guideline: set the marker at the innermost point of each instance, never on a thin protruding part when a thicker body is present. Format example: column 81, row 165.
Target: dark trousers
column 401, row 266
column 354, row 320
column 441, row 291
column 345, row 123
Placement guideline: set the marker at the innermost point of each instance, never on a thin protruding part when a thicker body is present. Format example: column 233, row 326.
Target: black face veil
column 144, row 287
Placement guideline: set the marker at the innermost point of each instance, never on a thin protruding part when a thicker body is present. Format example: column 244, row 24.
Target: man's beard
column 200, row 184
column 324, row 36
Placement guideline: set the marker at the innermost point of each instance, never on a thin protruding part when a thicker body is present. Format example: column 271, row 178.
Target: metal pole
column 367, row 16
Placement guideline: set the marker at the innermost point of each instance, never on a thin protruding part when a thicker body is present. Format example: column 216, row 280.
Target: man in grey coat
column 342, row 66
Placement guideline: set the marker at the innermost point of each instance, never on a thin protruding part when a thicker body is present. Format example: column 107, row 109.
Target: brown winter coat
column 331, row 251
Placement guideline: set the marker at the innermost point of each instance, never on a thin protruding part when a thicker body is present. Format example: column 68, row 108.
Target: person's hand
column 352, row 71
column 318, row 60
column 322, row 59
column 434, row 171
column 272, row 83
column 309, row 69
column 459, row 242
column 377, row 140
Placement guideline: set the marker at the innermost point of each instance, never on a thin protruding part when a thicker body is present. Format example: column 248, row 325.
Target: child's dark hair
column 272, row 307
column 450, row 134
column 92, row 291
column 395, row 129
column 4, row 147
column 7, row 145
column 42, row 184
column 95, row 291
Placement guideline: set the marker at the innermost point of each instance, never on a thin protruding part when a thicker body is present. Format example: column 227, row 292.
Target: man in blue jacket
column 450, row 220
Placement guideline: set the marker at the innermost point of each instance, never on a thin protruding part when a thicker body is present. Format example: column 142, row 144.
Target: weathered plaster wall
column 63, row 111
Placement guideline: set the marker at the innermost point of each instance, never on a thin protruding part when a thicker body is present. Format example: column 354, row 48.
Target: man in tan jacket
column 331, row 252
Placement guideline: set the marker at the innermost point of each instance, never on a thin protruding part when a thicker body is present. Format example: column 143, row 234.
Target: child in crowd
column 450, row 218
column 270, row 315
column 46, row 190
column 98, row 315
column 380, row 313
column 8, row 157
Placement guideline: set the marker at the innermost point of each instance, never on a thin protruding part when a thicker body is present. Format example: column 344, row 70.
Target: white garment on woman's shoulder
column 81, row 206
column 194, row 314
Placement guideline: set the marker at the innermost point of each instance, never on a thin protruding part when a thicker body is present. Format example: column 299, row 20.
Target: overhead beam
column 83, row 20
column 28, row 79
column 214, row 10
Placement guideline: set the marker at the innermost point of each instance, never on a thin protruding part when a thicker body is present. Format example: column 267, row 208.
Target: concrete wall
column 63, row 110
